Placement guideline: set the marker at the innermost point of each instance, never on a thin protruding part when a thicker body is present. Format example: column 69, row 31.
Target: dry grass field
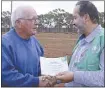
column 57, row 44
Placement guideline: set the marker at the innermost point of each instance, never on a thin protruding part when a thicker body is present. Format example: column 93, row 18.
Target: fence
column 48, row 30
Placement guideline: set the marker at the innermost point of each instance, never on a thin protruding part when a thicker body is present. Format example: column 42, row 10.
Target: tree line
column 57, row 20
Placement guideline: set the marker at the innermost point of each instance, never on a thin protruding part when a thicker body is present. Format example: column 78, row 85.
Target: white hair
column 18, row 13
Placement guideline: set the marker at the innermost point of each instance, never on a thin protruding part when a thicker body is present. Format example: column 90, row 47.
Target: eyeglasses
column 36, row 21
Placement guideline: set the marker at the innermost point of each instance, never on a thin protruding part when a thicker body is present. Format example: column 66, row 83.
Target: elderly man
column 21, row 51
column 86, row 66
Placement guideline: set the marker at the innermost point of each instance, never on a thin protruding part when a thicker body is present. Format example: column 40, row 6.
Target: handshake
column 50, row 81
column 47, row 81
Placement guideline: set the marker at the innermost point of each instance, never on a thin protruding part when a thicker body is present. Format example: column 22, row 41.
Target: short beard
column 80, row 32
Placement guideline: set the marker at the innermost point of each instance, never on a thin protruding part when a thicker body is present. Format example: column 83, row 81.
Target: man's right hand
column 47, row 81
column 43, row 82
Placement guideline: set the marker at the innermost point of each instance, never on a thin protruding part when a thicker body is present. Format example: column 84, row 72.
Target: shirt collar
column 92, row 35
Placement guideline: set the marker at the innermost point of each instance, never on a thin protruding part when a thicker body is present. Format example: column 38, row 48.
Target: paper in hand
column 52, row 66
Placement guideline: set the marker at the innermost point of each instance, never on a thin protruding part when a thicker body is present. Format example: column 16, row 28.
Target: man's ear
column 18, row 23
column 86, row 17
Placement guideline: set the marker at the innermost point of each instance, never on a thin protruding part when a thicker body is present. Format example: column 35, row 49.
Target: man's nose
column 35, row 25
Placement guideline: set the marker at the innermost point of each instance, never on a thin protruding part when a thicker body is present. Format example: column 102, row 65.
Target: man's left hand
column 65, row 76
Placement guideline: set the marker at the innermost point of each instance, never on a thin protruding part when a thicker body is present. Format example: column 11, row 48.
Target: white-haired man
column 21, row 51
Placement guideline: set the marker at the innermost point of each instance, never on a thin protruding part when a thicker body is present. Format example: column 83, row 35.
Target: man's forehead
column 30, row 14
column 76, row 10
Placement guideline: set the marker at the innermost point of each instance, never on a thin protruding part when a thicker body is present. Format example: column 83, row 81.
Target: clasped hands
column 50, row 81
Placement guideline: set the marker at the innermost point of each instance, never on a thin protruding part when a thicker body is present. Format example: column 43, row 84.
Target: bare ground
column 57, row 44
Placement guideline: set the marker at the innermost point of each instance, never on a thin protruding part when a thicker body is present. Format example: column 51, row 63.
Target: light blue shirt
column 87, row 78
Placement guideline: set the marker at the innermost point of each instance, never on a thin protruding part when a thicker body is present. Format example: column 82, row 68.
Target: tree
column 57, row 18
column 102, row 19
column 6, row 22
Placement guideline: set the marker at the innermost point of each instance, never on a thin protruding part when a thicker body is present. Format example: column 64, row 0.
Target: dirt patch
column 57, row 44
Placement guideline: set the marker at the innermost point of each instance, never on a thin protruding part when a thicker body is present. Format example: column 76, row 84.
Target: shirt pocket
column 93, row 63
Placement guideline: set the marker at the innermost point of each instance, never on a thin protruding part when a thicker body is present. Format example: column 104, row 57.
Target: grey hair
column 18, row 13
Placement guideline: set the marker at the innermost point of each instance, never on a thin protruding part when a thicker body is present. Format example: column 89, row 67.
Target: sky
column 43, row 7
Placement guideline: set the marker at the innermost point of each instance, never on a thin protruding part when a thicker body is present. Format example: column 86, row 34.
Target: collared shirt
column 87, row 78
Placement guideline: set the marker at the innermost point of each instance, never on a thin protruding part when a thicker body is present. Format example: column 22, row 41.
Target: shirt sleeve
column 39, row 70
column 41, row 53
column 91, row 78
column 39, row 47
column 10, row 75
